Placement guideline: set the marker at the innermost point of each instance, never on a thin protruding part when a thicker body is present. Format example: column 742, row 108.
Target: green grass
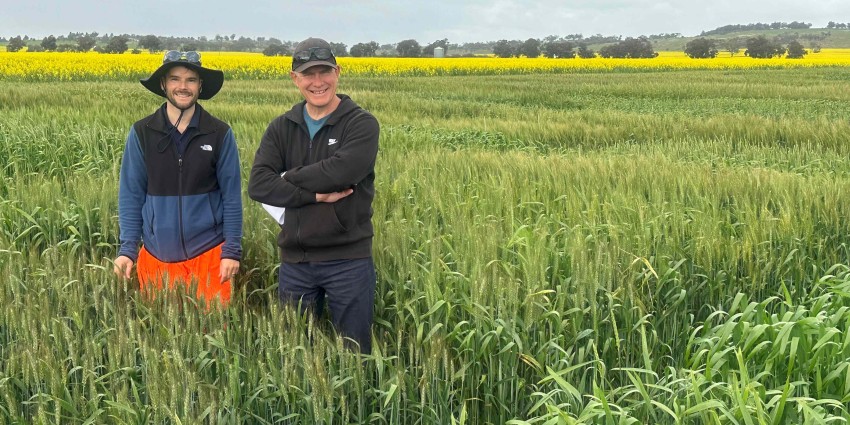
column 619, row 248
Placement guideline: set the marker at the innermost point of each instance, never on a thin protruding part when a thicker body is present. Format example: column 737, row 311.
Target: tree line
column 759, row 47
column 726, row 29
column 553, row 46
column 571, row 45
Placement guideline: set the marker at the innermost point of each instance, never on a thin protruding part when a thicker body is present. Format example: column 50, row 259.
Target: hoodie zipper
column 298, row 211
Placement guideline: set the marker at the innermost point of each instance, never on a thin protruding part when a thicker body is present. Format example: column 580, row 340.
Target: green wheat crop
column 610, row 248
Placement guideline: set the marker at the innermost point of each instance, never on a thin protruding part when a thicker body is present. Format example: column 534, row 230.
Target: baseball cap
column 311, row 52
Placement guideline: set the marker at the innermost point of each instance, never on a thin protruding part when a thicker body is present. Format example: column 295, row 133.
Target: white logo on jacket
column 331, row 142
column 207, row 148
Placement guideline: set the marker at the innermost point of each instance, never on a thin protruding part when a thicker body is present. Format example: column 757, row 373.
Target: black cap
column 310, row 45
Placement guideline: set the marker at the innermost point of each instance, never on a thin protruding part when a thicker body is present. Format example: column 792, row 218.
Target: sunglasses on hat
column 317, row 53
column 175, row 56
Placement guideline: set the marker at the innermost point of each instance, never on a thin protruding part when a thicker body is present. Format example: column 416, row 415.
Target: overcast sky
column 390, row 21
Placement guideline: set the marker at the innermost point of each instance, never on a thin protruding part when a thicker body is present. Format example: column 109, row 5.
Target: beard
column 182, row 103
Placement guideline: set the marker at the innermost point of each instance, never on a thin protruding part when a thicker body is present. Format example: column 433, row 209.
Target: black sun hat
column 212, row 79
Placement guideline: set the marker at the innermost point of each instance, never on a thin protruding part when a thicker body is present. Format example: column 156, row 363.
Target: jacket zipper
column 298, row 211
column 180, row 203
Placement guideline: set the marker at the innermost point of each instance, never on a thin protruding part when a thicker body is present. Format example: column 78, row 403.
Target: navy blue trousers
column 346, row 286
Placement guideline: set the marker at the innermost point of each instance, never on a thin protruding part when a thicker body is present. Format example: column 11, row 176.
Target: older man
column 318, row 162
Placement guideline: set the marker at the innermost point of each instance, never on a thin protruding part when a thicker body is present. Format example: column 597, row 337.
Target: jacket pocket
column 318, row 226
column 148, row 217
column 198, row 216
column 214, row 199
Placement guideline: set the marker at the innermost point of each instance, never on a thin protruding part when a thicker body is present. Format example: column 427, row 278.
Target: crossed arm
column 328, row 180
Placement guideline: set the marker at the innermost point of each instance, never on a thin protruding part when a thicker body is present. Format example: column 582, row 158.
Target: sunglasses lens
column 193, row 57
column 303, row 56
column 322, row 54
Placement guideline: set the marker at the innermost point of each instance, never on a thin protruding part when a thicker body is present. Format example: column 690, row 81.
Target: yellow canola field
column 51, row 66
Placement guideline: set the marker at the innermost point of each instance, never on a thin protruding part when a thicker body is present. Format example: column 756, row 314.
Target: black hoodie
column 340, row 156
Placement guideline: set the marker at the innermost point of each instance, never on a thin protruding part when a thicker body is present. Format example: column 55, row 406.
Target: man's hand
column 123, row 266
column 333, row 196
column 228, row 269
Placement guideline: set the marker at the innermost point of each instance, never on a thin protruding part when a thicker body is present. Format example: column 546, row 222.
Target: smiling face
column 182, row 87
column 318, row 86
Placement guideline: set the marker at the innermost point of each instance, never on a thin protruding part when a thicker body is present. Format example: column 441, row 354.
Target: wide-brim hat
column 212, row 79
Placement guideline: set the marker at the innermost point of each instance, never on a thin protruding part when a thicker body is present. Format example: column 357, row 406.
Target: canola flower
column 53, row 66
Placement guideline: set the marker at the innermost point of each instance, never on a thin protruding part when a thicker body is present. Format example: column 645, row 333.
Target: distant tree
column 276, row 49
column 49, row 43
column 364, row 50
column 409, row 49
column 476, row 46
column 428, row 50
column 559, row 49
column 339, row 49
column 530, row 48
column 796, row 50
column 169, row 43
column 733, row 45
column 35, row 48
column 611, row 51
column 387, row 50
column 762, row 48
column 701, row 48
column 503, row 49
column 601, row 39
column 117, row 44
column 633, row 48
column 66, row 48
column 85, row 43
column 189, row 47
column 15, row 44
column 244, row 44
column 150, row 42
column 585, row 52
column 549, row 38
column 664, row 35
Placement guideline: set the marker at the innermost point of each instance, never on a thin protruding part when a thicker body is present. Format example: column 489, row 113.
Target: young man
column 180, row 187
column 318, row 162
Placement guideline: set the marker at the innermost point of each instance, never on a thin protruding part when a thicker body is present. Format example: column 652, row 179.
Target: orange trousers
column 203, row 270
